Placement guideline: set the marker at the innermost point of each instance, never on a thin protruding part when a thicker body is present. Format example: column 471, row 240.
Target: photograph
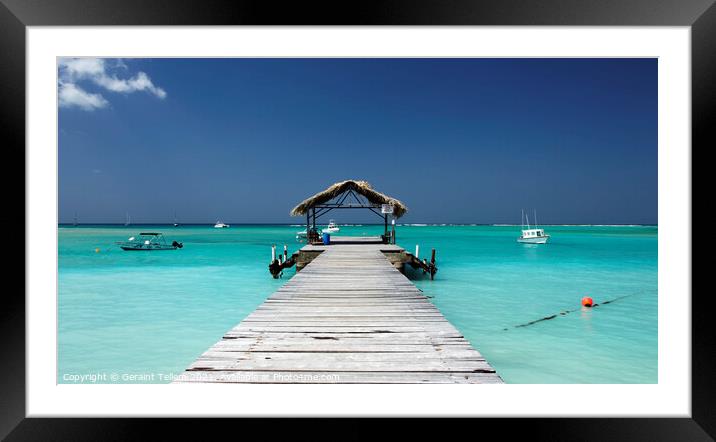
column 372, row 220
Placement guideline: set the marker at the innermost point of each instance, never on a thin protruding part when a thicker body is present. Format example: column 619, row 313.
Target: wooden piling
column 433, row 269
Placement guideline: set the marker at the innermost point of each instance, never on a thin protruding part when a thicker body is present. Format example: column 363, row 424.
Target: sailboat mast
column 535, row 218
column 527, row 217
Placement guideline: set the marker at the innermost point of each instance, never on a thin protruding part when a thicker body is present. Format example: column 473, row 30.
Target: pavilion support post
column 385, row 235
column 313, row 223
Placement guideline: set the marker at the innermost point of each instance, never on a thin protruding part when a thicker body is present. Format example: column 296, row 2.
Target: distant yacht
column 74, row 221
column 331, row 228
column 220, row 225
column 532, row 235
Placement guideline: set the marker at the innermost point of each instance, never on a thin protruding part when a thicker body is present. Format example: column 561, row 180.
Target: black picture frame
column 16, row 15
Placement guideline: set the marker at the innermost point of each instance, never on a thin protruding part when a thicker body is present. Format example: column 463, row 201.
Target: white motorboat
column 331, row 228
column 148, row 241
column 220, row 225
column 303, row 236
column 532, row 235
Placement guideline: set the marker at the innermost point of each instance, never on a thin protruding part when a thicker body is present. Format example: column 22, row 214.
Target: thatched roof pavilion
column 350, row 194
column 360, row 187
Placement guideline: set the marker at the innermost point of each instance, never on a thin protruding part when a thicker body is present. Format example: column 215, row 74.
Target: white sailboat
column 128, row 220
column 220, row 225
column 176, row 223
column 532, row 235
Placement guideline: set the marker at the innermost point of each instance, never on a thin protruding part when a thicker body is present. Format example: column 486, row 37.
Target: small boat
column 128, row 220
column 220, row 225
column 149, row 241
column 302, row 235
column 331, row 228
column 176, row 222
column 532, row 235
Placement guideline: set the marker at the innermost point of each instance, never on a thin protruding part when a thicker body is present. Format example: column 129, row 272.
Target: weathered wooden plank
column 335, row 346
column 364, row 356
column 341, row 364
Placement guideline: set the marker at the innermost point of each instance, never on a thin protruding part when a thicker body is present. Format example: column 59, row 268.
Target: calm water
column 151, row 314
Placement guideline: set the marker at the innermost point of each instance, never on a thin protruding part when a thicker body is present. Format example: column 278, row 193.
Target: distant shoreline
column 354, row 225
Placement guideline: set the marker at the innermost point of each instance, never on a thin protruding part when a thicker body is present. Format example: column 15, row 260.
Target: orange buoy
column 587, row 301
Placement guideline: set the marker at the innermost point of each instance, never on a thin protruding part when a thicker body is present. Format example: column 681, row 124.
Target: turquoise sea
column 141, row 317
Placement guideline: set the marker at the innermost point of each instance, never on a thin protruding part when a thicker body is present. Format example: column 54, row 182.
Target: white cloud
column 82, row 67
column 141, row 82
column 97, row 71
column 72, row 96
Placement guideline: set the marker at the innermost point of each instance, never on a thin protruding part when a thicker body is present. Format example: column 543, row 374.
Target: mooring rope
column 566, row 312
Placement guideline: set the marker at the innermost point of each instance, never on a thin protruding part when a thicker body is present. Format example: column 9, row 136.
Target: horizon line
column 414, row 224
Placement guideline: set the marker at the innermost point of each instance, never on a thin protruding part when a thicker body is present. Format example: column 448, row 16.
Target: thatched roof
column 361, row 187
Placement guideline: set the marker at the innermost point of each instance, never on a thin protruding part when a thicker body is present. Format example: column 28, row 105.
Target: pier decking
column 349, row 316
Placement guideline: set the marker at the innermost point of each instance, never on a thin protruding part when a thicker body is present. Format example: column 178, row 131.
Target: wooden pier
column 349, row 316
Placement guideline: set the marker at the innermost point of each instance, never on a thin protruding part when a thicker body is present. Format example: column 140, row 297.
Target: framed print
column 241, row 211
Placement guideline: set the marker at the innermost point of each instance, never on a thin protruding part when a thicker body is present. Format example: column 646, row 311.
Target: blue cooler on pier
column 326, row 238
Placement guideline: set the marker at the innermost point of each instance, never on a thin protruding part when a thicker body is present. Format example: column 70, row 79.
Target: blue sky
column 457, row 140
